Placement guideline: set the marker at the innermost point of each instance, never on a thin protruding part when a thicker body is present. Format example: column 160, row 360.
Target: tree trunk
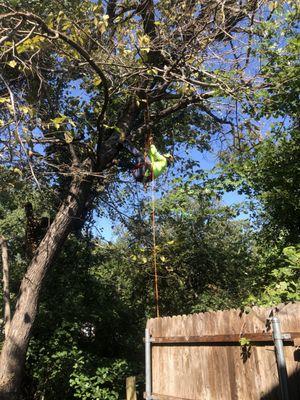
column 14, row 349
column 6, row 294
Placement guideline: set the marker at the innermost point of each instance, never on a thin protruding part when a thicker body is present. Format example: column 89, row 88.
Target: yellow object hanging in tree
column 159, row 162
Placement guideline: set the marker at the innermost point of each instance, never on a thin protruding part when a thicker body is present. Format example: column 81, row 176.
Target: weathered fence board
column 213, row 367
column 131, row 388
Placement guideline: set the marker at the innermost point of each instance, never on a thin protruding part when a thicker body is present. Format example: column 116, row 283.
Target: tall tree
column 266, row 165
column 76, row 80
column 205, row 255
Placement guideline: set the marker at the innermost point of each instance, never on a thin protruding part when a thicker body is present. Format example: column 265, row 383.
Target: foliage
column 283, row 280
column 87, row 387
column 61, row 359
column 88, row 335
column 78, row 349
column 279, row 50
column 202, row 250
column 77, row 79
column 267, row 169
column 245, row 348
column 271, row 176
column 61, row 89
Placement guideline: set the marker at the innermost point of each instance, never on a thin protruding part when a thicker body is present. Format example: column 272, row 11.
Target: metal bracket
column 286, row 336
column 282, row 336
column 148, row 397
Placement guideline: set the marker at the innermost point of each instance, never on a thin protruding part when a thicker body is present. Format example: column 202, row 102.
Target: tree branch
column 185, row 102
column 55, row 34
column 16, row 122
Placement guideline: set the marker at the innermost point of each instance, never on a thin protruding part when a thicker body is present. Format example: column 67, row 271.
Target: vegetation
column 77, row 79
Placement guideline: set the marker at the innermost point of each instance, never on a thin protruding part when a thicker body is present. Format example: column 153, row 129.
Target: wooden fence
column 199, row 356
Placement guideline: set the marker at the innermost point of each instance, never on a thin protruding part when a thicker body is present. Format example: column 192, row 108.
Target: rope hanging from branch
column 148, row 142
column 154, row 253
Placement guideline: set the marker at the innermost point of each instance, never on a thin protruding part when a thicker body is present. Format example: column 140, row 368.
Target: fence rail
column 200, row 356
column 233, row 338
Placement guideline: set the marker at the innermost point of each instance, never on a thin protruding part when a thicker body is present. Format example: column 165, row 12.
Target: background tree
column 205, row 255
column 266, row 168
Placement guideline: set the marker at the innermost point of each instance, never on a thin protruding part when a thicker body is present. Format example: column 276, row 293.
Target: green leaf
column 97, row 81
column 68, row 137
column 244, row 341
column 58, row 121
column 12, row 63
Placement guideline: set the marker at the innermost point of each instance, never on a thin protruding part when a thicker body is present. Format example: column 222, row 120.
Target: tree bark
column 14, row 349
column 6, row 294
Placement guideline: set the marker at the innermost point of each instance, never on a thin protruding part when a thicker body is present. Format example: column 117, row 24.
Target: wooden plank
column 130, row 388
column 253, row 337
column 156, row 396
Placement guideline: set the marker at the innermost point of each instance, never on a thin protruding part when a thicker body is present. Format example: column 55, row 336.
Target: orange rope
column 148, row 142
column 154, row 255
column 148, row 137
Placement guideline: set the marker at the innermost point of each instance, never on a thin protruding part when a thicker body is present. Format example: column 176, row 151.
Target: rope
column 154, row 254
column 148, row 138
column 148, row 142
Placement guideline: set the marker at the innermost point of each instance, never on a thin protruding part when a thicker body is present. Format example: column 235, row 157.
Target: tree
column 76, row 80
column 6, row 291
column 77, row 350
column 265, row 166
column 205, row 256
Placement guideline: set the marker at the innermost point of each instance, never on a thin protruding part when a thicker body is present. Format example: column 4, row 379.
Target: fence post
column 148, row 365
column 130, row 388
column 281, row 365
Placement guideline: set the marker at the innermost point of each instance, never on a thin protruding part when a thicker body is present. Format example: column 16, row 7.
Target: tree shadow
column 293, row 385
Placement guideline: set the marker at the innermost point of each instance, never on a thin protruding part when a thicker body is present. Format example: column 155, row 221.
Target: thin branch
column 10, row 34
column 17, row 131
column 185, row 102
column 220, row 120
column 20, row 42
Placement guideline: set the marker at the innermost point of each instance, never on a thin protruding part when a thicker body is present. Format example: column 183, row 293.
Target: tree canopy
column 79, row 79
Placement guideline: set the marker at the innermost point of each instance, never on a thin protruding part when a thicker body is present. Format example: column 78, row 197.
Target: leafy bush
column 105, row 383
column 284, row 280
